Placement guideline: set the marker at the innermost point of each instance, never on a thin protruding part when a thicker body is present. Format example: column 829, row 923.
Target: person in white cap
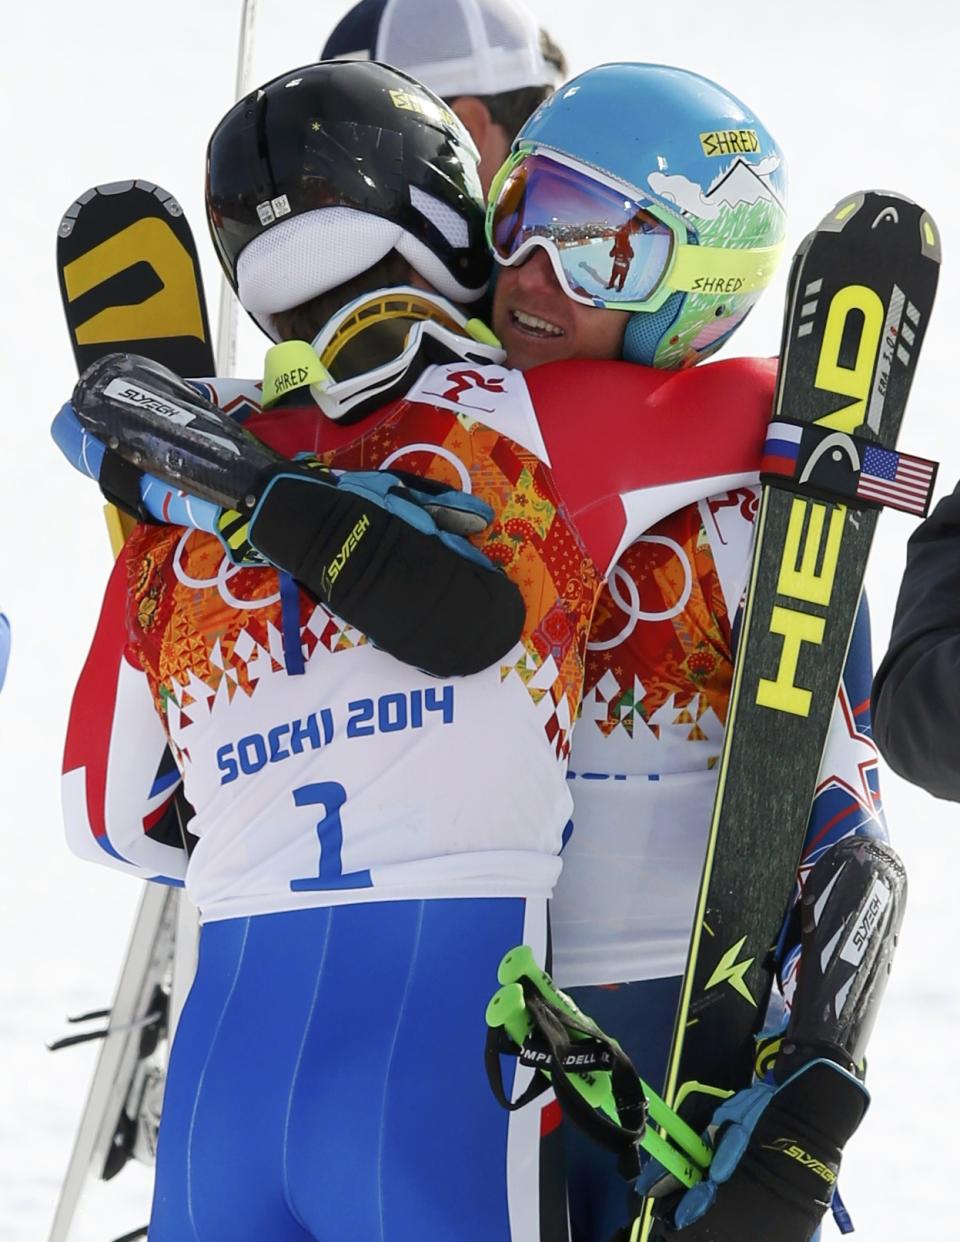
column 489, row 59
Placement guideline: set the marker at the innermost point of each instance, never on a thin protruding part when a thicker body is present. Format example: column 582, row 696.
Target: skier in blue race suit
column 365, row 916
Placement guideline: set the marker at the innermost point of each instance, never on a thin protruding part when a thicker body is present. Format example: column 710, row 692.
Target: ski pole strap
column 520, row 964
column 595, row 1083
column 818, row 461
column 595, row 1096
column 120, row 483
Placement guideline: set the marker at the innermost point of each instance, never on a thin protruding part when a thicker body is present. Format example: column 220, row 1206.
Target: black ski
column 130, row 280
column 859, row 297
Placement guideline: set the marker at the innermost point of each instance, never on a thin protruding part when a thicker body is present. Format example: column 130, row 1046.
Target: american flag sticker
column 896, row 480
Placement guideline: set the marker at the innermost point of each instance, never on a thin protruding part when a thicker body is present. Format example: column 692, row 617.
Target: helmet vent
column 302, row 256
column 305, row 255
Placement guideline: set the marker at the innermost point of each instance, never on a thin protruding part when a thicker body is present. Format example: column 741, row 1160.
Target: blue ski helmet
column 668, row 175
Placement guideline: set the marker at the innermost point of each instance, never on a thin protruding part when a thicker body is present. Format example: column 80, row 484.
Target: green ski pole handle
column 520, row 963
column 508, row 1009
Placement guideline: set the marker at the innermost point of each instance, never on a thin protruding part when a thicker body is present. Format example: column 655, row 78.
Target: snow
column 858, row 94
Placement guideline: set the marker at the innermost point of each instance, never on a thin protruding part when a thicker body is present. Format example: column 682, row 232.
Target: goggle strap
column 709, row 269
column 496, row 185
column 291, row 365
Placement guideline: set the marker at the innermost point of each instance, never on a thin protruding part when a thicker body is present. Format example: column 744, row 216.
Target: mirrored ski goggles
column 375, row 347
column 609, row 246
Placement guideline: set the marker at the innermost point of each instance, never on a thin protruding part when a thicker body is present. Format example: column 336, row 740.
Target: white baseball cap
column 454, row 47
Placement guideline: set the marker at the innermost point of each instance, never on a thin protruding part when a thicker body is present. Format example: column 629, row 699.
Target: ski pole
column 69, row 1041
column 520, row 964
column 682, row 1152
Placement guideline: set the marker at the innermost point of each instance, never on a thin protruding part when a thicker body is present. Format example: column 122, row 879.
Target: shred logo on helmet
column 676, row 215
column 728, row 140
column 364, row 160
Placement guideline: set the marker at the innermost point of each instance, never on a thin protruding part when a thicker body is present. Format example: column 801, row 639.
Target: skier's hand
column 391, row 559
column 432, row 507
column 776, row 1155
column 384, row 550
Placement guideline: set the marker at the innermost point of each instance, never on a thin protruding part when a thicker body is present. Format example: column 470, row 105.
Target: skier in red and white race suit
column 356, row 883
column 659, row 662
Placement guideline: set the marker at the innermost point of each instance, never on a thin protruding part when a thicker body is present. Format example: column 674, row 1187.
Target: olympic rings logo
column 626, row 595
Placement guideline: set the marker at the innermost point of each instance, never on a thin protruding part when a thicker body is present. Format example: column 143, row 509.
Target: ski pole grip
column 508, row 1009
column 520, row 964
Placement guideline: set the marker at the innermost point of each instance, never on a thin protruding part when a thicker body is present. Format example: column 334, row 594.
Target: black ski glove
column 776, row 1156
column 387, row 554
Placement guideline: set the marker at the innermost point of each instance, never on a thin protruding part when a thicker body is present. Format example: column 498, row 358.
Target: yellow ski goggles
column 373, row 349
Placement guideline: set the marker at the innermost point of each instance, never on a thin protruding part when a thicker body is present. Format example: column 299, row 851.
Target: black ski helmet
column 314, row 177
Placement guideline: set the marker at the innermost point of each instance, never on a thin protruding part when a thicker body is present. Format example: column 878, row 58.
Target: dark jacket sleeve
column 916, row 692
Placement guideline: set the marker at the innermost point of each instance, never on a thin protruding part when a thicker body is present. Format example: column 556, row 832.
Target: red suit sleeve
column 628, row 445
column 118, row 782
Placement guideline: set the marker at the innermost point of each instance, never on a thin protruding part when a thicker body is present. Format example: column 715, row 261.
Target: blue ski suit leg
column 327, row 1081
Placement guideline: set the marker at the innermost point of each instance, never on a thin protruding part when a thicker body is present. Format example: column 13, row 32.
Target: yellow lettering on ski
column 849, row 381
column 174, row 310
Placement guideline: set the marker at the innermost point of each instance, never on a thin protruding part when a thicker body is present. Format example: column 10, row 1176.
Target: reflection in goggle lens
column 610, row 246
